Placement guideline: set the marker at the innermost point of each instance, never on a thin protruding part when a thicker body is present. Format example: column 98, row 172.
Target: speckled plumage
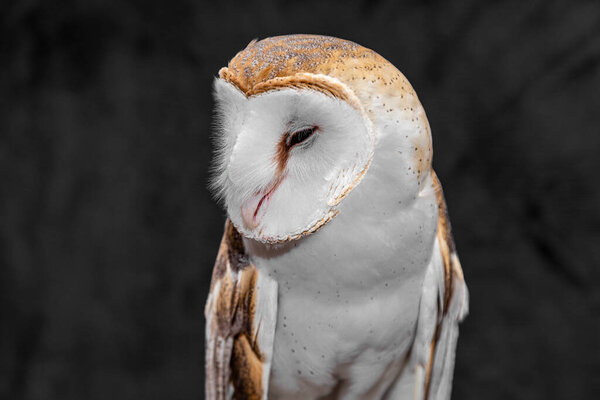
column 376, row 82
column 363, row 297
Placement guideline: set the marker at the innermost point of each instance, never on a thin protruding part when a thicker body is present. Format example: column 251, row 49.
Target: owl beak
column 254, row 208
column 250, row 210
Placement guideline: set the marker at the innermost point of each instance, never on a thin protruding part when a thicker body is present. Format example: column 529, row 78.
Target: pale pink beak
column 251, row 208
column 254, row 208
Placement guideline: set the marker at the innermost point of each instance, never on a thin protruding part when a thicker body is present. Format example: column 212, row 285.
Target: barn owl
column 337, row 276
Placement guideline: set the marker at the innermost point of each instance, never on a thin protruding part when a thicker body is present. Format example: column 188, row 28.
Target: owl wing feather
column 240, row 324
column 444, row 303
column 451, row 308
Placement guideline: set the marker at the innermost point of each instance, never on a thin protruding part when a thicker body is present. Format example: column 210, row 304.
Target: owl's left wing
column 444, row 303
column 240, row 316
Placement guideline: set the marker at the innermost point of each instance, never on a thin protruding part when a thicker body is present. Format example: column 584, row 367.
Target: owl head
column 297, row 123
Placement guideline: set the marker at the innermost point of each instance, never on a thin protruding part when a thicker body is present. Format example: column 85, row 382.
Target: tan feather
column 452, row 272
column 233, row 359
column 246, row 370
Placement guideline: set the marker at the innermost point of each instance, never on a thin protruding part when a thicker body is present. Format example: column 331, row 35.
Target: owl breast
column 349, row 297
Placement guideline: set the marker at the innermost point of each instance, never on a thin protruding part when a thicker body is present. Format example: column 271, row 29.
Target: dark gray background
column 108, row 233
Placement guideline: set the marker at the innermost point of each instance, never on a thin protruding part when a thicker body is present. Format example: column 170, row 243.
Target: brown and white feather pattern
column 339, row 68
column 452, row 307
column 243, row 304
column 235, row 361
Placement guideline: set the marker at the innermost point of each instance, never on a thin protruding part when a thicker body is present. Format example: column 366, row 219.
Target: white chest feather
column 349, row 295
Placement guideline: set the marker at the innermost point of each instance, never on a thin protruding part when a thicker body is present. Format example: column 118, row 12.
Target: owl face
column 287, row 157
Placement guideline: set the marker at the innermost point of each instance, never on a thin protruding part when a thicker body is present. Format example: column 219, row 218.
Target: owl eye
column 300, row 135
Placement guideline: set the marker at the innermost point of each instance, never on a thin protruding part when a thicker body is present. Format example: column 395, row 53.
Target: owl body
column 349, row 299
column 337, row 275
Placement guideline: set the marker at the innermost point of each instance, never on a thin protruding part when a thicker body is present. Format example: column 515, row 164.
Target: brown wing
column 235, row 364
column 452, row 267
column 452, row 308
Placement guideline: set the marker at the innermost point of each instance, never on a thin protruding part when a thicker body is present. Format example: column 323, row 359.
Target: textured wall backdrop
column 108, row 233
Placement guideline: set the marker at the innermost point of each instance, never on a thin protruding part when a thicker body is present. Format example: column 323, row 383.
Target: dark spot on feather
column 235, row 248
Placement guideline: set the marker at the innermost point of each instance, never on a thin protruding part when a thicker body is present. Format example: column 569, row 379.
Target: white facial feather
column 289, row 193
column 228, row 110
